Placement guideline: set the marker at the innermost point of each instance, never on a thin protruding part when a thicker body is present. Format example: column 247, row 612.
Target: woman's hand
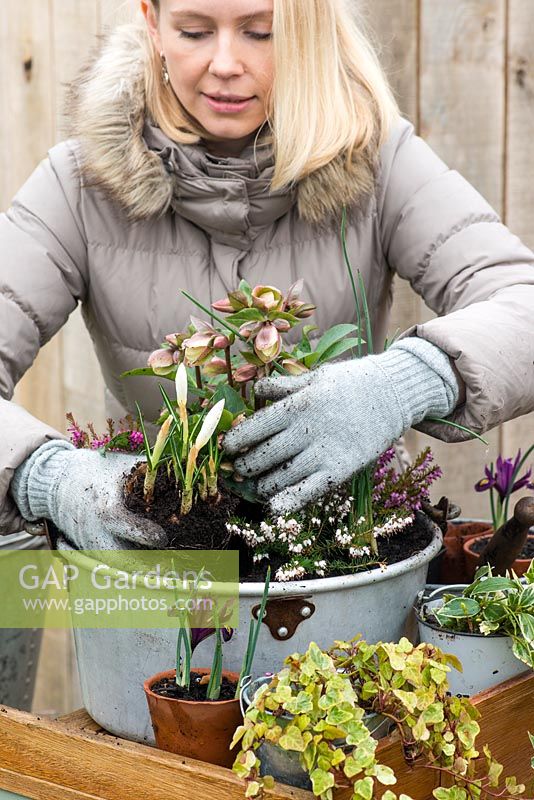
column 80, row 491
column 329, row 424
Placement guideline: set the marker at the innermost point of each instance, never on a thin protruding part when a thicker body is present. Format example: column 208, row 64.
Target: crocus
column 502, row 480
column 199, row 634
column 268, row 343
column 161, row 361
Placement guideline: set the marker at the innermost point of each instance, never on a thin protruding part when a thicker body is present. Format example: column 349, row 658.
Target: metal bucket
column 19, row 647
column 486, row 660
column 284, row 765
column 377, row 603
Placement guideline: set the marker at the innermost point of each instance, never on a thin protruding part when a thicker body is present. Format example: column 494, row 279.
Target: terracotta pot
column 519, row 566
column 453, row 565
column 193, row 728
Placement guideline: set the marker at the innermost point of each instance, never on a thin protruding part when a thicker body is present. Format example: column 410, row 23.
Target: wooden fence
column 462, row 72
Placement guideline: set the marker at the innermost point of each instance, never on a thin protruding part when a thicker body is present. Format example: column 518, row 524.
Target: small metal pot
column 486, row 660
column 284, row 765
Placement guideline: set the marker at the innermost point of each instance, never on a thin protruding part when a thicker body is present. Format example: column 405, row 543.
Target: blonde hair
column 330, row 96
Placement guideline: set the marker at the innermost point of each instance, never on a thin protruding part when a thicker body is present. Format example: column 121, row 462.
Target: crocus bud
column 267, row 343
column 209, row 426
column 216, row 366
column 181, row 385
column 267, row 298
column 223, row 306
column 161, row 361
column 245, row 373
column 294, row 367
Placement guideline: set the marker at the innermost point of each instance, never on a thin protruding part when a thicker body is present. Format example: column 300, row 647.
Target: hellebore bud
column 176, row 340
column 294, row 292
column 223, row 306
column 250, row 329
column 267, row 343
column 246, row 373
column 161, row 361
column 216, row 366
column 294, row 367
column 267, row 298
column 302, row 310
column 282, row 325
column 198, row 348
column 221, row 342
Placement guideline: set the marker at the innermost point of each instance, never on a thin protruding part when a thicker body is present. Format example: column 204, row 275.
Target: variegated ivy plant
column 315, row 707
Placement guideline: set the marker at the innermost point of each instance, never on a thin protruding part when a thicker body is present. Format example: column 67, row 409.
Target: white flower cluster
column 290, row 572
column 359, row 552
column 320, row 567
column 287, row 529
column 393, row 525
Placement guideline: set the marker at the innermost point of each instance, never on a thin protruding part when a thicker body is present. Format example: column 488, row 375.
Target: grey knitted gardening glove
column 80, row 491
column 332, row 422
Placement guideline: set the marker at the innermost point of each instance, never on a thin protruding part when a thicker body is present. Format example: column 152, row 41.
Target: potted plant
column 501, row 481
column 488, row 626
column 367, row 537
column 310, row 721
column 195, row 712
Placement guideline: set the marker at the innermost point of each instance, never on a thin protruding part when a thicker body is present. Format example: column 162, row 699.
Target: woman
column 216, row 141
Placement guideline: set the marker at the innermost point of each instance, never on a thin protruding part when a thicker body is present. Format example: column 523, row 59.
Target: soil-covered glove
column 80, row 491
column 332, row 422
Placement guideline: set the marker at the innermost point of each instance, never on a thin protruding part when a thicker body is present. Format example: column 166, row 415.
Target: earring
column 164, row 70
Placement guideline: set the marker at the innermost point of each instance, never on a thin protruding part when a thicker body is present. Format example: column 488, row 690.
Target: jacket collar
column 146, row 173
column 229, row 198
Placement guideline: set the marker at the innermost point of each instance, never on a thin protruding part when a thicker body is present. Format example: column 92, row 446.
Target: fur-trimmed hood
column 134, row 163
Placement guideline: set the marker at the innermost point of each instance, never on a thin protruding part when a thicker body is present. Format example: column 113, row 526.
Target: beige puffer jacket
column 156, row 217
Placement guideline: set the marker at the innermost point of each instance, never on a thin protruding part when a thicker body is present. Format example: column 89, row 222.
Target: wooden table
column 72, row 758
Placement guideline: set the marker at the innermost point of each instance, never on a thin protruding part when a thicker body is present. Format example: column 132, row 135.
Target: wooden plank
column 519, row 208
column 74, row 754
column 76, row 26
column 115, row 12
column 106, row 767
column 26, row 61
column 394, row 28
column 462, row 118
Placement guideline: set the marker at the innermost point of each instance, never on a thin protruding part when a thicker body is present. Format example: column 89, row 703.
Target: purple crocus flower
column 199, row 634
column 502, row 479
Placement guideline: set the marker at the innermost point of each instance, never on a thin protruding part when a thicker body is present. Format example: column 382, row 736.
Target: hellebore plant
column 337, row 533
column 502, row 482
column 315, row 707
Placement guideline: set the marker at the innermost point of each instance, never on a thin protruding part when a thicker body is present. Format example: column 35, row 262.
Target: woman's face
column 220, row 63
